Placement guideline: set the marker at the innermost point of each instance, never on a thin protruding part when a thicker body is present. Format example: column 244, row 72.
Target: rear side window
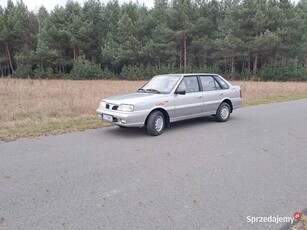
column 209, row 83
column 222, row 82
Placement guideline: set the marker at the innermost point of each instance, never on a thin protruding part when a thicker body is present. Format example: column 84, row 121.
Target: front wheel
column 223, row 112
column 155, row 123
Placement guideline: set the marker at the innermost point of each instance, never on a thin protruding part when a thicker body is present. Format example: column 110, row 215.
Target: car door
column 189, row 104
column 212, row 94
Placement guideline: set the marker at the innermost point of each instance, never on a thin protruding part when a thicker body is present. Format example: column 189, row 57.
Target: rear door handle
column 199, row 97
column 221, row 94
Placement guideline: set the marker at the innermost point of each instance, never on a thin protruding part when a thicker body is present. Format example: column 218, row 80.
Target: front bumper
column 127, row 119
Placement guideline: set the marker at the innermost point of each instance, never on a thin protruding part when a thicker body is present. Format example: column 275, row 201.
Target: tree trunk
column 256, row 62
column 184, row 53
column 180, row 58
column 76, row 51
column 243, row 66
column 8, row 53
column 26, row 48
column 232, row 61
column 305, row 64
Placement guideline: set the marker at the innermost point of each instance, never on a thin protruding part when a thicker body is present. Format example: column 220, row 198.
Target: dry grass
column 300, row 225
column 35, row 107
column 267, row 92
column 25, row 102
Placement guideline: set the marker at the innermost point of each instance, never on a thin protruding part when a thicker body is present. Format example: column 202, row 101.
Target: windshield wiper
column 153, row 91
column 141, row 90
column 149, row 90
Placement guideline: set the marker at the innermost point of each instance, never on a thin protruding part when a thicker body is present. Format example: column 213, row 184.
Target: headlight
column 126, row 108
column 102, row 104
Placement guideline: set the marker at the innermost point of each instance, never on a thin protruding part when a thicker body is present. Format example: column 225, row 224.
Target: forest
column 239, row 39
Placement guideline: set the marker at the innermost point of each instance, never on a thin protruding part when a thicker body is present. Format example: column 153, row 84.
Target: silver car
column 172, row 97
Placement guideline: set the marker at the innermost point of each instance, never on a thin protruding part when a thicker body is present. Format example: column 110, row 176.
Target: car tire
column 223, row 112
column 155, row 123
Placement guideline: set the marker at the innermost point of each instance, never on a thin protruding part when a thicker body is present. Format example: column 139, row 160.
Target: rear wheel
column 155, row 123
column 223, row 112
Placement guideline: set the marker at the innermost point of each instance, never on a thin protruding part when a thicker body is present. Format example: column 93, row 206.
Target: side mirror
column 180, row 92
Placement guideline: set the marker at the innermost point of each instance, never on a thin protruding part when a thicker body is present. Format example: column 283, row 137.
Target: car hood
column 132, row 98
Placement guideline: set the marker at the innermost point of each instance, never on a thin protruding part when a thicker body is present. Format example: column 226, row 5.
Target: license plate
column 107, row 117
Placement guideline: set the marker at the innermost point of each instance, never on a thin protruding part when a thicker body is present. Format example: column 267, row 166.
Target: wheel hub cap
column 159, row 124
column 224, row 112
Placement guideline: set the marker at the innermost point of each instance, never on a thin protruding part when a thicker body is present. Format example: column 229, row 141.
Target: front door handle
column 221, row 94
column 199, row 97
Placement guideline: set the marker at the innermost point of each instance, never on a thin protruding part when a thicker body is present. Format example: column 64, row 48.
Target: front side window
column 209, row 83
column 189, row 85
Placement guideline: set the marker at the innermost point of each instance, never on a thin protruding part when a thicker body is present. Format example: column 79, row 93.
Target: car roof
column 190, row 74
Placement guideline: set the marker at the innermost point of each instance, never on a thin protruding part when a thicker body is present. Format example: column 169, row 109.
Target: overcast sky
column 50, row 4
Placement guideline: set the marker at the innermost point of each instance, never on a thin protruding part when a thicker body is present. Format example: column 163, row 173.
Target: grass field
column 40, row 107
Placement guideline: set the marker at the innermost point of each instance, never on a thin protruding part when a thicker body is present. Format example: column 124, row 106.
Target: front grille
column 110, row 106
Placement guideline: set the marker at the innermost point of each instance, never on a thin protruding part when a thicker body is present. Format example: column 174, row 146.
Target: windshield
column 160, row 84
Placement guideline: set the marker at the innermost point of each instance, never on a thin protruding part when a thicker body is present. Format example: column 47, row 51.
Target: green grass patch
column 274, row 99
column 51, row 128
column 82, row 124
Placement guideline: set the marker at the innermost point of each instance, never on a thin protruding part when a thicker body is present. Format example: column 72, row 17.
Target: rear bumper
column 127, row 119
column 237, row 102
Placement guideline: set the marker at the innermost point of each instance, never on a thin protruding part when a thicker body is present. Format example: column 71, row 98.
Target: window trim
column 199, row 85
column 219, row 80
column 215, row 82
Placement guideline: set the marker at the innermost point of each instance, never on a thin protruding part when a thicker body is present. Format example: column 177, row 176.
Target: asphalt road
column 198, row 174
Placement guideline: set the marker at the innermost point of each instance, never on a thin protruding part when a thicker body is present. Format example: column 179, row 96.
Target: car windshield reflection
column 160, row 84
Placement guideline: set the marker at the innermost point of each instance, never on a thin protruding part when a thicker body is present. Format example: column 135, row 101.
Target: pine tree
column 229, row 44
